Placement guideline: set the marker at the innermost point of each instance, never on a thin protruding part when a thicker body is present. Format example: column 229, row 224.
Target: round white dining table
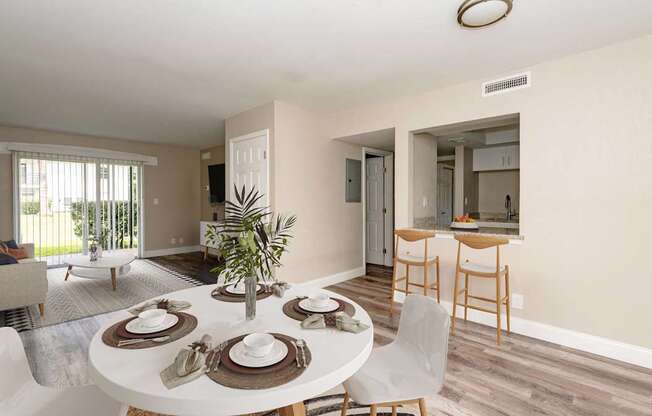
column 132, row 376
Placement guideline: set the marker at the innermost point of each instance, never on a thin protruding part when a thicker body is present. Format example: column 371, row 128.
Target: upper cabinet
column 496, row 158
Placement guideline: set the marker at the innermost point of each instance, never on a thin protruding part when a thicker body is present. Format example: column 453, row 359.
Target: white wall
column 585, row 184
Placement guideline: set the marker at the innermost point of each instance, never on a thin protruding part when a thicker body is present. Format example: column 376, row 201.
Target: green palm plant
column 251, row 239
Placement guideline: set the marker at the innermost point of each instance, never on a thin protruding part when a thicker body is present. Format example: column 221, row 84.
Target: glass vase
column 250, row 297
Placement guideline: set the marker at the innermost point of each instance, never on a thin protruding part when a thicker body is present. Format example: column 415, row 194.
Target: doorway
column 378, row 206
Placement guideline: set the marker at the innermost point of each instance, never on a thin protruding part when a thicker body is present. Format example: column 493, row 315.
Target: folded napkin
column 339, row 320
column 189, row 364
column 169, row 305
column 279, row 288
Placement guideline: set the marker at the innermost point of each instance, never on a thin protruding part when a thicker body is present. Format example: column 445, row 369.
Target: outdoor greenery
column 30, row 207
column 57, row 250
column 251, row 239
column 121, row 218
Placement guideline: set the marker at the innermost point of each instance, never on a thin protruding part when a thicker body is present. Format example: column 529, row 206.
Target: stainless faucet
column 508, row 207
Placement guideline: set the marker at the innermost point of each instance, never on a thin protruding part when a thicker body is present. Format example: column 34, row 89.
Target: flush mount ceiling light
column 482, row 13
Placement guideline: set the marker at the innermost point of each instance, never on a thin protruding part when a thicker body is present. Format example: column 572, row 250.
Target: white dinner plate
column 136, row 326
column 239, row 291
column 331, row 305
column 239, row 355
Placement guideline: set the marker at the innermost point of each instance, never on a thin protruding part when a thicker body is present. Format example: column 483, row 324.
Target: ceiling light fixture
column 482, row 13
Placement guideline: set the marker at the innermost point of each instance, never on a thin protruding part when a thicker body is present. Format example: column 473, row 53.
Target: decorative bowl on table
column 464, row 222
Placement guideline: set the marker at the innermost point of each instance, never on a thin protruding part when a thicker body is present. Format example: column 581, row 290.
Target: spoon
column 138, row 341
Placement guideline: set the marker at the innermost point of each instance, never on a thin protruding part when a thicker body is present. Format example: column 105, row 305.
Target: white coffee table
column 109, row 265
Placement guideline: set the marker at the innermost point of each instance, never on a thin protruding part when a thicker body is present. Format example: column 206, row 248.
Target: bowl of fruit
column 464, row 222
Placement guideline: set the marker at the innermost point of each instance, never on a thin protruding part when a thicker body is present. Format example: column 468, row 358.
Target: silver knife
column 301, row 343
column 217, row 357
column 296, row 351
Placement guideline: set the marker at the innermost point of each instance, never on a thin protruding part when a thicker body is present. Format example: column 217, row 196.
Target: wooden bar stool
column 481, row 242
column 411, row 260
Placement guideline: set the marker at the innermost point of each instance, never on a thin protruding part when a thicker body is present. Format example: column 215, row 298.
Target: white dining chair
column 21, row 395
column 410, row 368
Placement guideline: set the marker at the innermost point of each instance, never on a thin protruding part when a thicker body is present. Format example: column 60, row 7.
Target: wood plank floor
column 523, row 376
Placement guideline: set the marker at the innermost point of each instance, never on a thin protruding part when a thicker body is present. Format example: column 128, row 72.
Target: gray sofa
column 25, row 283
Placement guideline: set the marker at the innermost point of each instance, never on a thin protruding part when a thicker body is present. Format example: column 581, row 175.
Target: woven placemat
column 117, row 332
column 220, row 293
column 230, row 374
column 294, row 311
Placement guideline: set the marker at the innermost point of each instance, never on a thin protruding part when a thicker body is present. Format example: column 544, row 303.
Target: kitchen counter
column 510, row 233
column 428, row 224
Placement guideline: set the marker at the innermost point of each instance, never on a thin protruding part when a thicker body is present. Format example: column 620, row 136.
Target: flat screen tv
column 216, row 181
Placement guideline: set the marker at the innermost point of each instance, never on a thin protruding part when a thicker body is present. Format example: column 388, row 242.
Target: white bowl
column 319, row 300
column 258, row 344
column 152, row 318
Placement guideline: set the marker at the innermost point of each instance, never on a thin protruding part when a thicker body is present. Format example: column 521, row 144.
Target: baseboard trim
column 170, row 251
column 632, row 354
column 334, row 279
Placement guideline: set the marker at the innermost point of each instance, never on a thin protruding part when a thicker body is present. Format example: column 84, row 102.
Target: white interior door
column 374, row 201
column 249, row 165
column 444, row 195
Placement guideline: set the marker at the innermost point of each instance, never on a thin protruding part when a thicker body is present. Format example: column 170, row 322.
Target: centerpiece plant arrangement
column 251, row 240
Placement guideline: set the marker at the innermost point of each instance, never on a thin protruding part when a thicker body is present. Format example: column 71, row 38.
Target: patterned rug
column 326, row 405
column 80, row 298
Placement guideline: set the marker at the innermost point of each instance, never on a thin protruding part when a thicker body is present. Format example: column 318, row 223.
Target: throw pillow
column 11, row 244
column 18, row 254
column 7, row 259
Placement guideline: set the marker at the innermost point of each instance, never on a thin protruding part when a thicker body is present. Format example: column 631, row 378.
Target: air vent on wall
column 507, row 84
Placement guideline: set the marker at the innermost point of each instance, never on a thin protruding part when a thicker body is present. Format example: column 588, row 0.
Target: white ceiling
column 170, row 71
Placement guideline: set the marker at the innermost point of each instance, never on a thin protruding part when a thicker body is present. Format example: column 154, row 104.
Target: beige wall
column 425, row 176
column 207, row 209
column 493, row 186
column 308, row 179
column 310, row 182
column 175, row 182
column 585, row 183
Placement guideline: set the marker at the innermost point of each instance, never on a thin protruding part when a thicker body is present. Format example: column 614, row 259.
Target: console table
column 203, row 226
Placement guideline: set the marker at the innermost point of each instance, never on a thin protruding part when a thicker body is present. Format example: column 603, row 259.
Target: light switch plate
column 155, row 201
column 517, row 301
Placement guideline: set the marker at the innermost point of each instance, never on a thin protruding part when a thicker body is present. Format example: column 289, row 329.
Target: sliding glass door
column 66, row 203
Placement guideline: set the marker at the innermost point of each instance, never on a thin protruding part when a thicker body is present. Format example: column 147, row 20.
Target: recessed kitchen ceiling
column 172, row 71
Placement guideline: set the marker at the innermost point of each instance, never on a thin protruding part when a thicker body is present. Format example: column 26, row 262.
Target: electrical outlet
column 424, row 202
column 155, row 201
column 173, row 240
column 517, row 301
column 180, row 240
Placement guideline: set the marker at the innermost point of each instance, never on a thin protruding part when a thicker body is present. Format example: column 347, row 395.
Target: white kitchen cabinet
column 496, row 158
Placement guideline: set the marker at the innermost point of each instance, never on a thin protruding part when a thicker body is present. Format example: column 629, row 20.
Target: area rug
column 329, row 404
column 80, row 298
